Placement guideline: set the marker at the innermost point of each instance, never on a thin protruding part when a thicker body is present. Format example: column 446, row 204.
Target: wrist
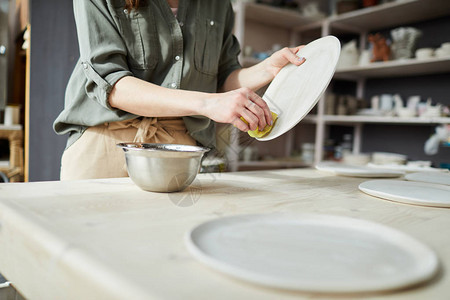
column 267, row 70
column 204, row 102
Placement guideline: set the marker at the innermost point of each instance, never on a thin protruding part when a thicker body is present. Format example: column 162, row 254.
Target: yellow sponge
column 259, row 134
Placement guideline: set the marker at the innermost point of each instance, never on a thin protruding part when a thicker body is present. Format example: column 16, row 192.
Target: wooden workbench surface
column 107, row 239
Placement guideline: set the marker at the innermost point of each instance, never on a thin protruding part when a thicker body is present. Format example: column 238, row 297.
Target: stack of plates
column 385, row 158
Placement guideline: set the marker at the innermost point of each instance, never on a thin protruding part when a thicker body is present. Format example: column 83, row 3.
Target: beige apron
column 95, row 154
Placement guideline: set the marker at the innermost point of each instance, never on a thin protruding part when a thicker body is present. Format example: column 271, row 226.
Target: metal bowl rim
column 162, row 147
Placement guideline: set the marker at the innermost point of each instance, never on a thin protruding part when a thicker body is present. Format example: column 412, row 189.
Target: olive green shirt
column 194, row 51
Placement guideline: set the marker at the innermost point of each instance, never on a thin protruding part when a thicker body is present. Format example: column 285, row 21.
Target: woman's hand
column 281, row 58
column 229, row 107
column 259, row 75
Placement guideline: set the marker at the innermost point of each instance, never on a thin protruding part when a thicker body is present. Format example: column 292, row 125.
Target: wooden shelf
column 361, row 20
column 10, row 127
column 395, row 68
column 332, row 119
column 398, row 13
column 275, row 16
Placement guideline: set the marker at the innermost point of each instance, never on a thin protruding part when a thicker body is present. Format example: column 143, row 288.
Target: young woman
column 156, row 71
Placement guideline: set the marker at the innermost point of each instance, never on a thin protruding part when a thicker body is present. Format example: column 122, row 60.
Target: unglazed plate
column 312, row 252
column 296, row 89
column 431, row 177
column 406, row 168
column 355, row 171
column 410, row 192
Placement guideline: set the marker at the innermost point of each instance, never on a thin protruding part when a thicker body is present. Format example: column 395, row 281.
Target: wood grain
column 107, row 239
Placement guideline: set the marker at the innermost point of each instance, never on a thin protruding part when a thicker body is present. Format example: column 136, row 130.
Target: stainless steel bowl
column 162, row 167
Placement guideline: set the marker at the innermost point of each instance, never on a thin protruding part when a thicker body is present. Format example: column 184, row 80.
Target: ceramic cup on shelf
column 446, row 47
column 406, row 112
column 364, row 58
column 440, row 53
column 386, row 102
column 424, row 53
column 443, row 51
column 349, row 55
column 413, row 102
column 12, row 115
column 375, row 102
column 307, row 155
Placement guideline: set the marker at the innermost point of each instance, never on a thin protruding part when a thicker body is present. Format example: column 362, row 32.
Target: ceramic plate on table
column 355, row 171
column 296, row 89
column 406, row 168
column 410, row 192
column 312, row 252
column 431, row 177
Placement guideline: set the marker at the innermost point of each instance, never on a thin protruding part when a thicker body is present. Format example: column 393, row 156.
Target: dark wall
column 405, row 139
column 54, row 51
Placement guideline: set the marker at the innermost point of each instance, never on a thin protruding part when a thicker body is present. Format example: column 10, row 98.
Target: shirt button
column 181, row 24
column 125, row 11
column 177, row 58
column 85, row 65
column 173, row 85
column 211, row 23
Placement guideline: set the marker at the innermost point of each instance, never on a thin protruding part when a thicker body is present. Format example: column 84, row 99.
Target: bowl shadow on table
column 349, row 295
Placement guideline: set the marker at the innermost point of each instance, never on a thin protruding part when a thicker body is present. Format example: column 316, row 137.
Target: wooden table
column 107, row 239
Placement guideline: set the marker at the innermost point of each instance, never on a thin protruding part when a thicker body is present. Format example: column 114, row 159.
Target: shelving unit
column 389, row 15
column 333, row 119
column 395, row 68
column 360, row 22
column 274, row 16
column 370, row 19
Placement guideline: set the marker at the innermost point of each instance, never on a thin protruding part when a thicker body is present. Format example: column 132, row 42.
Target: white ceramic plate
column 431, row 177
column 410, row 192
column 296, row 89
column 355, row 171
column 405, row 168
column 312, row 252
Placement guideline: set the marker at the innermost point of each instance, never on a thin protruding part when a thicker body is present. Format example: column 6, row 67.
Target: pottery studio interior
column 370, row 100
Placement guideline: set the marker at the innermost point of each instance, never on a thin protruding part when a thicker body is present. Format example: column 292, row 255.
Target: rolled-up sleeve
column 230, row 50
column 103, row 53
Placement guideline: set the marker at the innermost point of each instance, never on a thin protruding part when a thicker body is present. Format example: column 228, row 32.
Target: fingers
column 261, row 109
column 246, row 104
column 239, row 124
column 251, row 118
column 290, row 55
